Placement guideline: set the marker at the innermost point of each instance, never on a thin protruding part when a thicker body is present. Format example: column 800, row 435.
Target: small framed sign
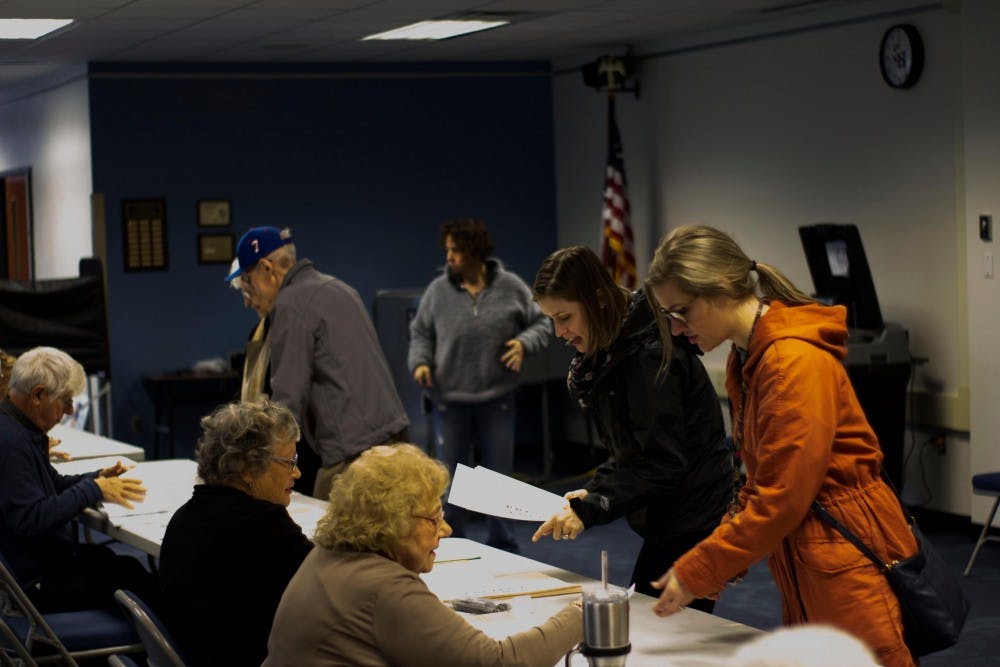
column 216, row 248
column 144, row 232
column 213, row 213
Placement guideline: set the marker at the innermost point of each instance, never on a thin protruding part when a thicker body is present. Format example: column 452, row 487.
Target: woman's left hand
column 514, row 355
column 675, row 595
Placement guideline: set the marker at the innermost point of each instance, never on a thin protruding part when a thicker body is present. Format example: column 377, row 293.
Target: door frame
column 6, row 235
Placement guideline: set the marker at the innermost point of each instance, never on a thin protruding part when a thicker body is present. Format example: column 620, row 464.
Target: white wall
column 49, row 131
column 981, row 146
column 759, row 136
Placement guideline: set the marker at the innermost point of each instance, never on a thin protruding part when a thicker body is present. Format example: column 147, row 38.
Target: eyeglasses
column 438, row 520
column 65, row 399
column 292, row 463
column 676, row 315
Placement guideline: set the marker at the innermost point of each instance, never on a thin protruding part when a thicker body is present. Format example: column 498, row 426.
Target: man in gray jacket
column 326, row 363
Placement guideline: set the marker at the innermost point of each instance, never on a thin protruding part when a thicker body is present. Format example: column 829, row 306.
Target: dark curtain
column 69, row 314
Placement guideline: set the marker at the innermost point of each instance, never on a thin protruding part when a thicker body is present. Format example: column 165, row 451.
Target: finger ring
column 565, row 537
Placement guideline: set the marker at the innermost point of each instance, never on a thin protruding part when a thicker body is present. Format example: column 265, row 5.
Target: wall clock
column 901, row 56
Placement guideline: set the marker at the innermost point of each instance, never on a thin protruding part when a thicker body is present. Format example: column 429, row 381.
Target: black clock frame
column 916, row 43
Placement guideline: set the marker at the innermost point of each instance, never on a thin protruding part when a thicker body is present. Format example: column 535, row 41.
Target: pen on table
column 457, row 560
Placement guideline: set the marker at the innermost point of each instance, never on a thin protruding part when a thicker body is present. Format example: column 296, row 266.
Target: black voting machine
column 878, row 358
column 68, row 313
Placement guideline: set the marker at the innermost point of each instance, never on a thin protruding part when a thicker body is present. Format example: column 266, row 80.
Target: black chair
column 160, row 648
column 62, row 637
column 986, row 484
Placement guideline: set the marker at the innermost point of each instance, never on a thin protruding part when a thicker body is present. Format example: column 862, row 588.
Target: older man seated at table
column 229, row 552
column 37, row 503
column 359, row 599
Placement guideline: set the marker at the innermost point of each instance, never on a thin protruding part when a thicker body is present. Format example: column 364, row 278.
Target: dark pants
column 325, row 475
column 88, row 580
column 309, row 463
column 490, row 426
column 656, row 558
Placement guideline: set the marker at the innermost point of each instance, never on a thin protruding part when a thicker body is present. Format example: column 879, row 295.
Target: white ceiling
column 290, row 31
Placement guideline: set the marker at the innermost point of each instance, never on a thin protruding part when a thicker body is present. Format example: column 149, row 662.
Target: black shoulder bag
column 931, row 600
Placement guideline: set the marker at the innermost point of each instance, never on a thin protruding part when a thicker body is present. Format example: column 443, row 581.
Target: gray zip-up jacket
column 462, row 339
column 327, row 366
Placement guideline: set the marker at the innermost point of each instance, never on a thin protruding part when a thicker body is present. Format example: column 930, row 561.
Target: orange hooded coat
column 805, row 438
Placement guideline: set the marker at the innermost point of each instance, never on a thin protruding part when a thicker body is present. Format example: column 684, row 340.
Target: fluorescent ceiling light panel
column 30, row 28
column 436, row 29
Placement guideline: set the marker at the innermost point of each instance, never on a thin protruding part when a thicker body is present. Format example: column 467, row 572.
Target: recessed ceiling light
column 436, row 29
column 30, row 28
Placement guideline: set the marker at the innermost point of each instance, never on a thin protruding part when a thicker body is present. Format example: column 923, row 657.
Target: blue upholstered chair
column 161, row 650
column 986, row 484
column 121, row 661
column 61, row 637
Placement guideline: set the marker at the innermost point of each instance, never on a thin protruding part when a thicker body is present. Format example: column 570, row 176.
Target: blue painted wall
column 363, row 168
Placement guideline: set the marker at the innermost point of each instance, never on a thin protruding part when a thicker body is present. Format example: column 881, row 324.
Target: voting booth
column 878, row 353
column 70, row 314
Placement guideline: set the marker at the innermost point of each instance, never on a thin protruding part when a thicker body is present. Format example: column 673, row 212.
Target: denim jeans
column 489, row 425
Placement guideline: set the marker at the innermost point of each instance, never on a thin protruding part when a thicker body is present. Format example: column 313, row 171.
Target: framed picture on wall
column 213, row 213
column 144, row 233
column 216, row 248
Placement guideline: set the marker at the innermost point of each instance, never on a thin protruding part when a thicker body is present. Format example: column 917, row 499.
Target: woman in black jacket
column 670, row 471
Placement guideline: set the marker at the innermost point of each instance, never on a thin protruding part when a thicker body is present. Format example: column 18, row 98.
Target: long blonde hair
column 706, row 262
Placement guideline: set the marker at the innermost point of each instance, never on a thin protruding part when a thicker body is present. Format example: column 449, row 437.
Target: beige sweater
column 362, row 609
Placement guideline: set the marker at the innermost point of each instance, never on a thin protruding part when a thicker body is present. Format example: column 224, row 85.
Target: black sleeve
column 653, row 458
column 288, row 544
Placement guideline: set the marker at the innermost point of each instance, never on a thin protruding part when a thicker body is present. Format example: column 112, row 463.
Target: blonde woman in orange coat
column 803, row 437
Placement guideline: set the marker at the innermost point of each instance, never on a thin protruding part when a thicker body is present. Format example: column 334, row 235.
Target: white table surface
column 85, row 445
column 689, row 638
column 169, row 484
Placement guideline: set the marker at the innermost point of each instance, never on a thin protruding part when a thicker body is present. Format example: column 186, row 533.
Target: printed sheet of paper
column 482, row 490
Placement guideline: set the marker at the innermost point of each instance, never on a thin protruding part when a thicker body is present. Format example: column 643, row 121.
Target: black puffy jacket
column 670, row 469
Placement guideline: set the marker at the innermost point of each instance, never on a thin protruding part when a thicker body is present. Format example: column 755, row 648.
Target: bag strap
column 899, row 496
column 848, row 535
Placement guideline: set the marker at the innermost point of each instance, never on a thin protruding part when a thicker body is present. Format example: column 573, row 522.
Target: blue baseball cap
column 257, row 243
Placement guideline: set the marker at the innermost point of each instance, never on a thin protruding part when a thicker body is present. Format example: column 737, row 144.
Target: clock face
column 901, row 56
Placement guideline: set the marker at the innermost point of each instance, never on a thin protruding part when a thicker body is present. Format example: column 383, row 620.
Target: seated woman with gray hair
column 358, row 598
column 230, row 550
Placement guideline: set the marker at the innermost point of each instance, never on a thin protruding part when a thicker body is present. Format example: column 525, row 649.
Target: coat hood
column 822, row 326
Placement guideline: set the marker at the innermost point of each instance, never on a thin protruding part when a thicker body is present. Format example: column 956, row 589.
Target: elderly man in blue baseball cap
column 325, row 361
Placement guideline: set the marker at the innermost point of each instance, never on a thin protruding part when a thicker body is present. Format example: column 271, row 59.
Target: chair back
column 23, row 631
column 160, row 648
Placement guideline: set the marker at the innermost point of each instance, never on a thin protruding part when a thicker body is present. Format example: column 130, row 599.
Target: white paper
column 169, row 483
column 482, row 490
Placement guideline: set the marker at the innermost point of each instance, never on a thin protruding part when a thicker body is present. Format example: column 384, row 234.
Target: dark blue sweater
column 36, row 502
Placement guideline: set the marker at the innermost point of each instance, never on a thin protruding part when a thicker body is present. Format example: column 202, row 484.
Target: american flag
column 617, row 249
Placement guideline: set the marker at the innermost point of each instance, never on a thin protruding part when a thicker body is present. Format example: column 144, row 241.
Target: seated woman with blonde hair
column 358, row 598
